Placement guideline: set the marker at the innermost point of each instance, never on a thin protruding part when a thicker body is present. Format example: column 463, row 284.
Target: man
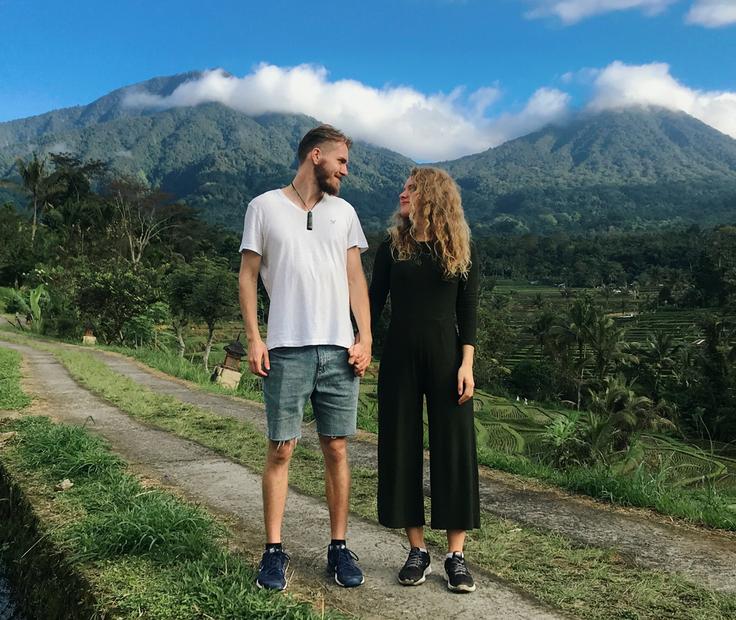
column 306, row 242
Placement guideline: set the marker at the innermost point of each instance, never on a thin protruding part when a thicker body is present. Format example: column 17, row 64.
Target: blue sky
column 492, row 68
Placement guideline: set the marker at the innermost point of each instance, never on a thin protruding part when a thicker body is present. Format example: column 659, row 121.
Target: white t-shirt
column 304, row 271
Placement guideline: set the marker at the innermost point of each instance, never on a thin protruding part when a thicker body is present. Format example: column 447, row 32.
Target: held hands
column 258, row 358
column 359, row 355
column 465, row 384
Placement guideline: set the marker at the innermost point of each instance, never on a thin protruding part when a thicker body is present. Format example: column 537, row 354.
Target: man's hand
column 359, row 355
column 258, row 358
column 465, row 384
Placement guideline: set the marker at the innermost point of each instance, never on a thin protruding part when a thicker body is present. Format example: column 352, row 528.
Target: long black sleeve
column 466, row 307
column 380, row 282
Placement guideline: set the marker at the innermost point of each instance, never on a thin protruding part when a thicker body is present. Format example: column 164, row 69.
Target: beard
column 326, row 182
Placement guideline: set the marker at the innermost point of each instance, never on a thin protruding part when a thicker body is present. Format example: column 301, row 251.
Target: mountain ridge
column 634, row 167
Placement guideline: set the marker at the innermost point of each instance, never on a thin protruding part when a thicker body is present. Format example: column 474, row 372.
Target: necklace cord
column 309, row 211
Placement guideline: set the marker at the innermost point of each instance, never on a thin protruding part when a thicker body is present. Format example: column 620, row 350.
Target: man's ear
column 316, row 155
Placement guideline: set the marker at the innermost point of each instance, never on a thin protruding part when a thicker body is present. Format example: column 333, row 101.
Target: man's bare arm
column 360, row 352
column 250, row 264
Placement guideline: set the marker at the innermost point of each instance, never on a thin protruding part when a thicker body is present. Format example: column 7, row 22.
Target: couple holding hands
column 305, row 243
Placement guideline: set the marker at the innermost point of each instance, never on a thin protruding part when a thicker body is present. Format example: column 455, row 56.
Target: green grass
column 11, row 395
column 584, row 582
column 707, row 506
column 170, row 363
column 148, row 554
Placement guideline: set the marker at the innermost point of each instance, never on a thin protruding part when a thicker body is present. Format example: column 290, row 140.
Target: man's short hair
column 314, row 137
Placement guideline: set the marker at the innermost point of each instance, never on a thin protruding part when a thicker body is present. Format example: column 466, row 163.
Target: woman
column 430, row 270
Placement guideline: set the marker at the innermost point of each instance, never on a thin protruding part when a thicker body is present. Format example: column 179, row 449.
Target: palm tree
column 605, row 339
column 625, row 413
column 39, row 184
column 575, row 330
column 657, row 358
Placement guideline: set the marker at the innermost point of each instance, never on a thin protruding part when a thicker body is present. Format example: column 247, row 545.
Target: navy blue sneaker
column 341, row 563
column 272, row 570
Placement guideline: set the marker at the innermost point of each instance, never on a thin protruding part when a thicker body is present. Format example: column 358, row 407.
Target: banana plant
column 29, row 303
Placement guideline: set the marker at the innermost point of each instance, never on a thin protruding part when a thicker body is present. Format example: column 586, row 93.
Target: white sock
column 460, row 553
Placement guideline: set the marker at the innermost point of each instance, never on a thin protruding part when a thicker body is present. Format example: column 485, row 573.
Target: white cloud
column 712, row 13
column 573, row 11
column 424, row 127
column 621, row 85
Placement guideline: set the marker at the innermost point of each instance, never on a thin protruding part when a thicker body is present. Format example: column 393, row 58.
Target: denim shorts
column 320, row 373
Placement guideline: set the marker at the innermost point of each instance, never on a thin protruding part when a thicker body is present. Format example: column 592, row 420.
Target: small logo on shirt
column 333, row 221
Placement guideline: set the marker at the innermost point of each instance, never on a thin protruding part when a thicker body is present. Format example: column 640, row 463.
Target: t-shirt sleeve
column 252, row 231
column 356, row 238
column 467, row 301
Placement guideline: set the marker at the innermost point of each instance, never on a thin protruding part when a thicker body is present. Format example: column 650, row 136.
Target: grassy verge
column 146, row 553
column 171, row 364
column 584, row 582
column 11, row 395
column 705, row 506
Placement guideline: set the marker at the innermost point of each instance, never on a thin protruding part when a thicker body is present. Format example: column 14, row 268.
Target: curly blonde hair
column 436, row 201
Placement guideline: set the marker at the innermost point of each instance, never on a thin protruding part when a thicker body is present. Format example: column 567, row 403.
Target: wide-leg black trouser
column 423, row 360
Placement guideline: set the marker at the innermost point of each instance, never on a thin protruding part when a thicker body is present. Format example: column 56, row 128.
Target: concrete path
column 645, row 539
column 234, row 491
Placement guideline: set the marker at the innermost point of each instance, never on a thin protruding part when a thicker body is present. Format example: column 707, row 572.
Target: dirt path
column 234, row 491
column 645, row 539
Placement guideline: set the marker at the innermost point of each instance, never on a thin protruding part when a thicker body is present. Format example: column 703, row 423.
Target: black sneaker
column 272, row 570
column 341, row 563
column 458, row 577
column 416, row 568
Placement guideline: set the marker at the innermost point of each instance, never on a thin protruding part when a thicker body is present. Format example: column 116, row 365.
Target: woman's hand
column 465, row 383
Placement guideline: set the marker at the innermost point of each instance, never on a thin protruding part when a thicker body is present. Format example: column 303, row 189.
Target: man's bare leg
column 337, row 483
column 275, row 485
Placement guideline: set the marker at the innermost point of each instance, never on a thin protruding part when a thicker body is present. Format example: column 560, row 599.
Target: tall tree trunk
column 35, row 220
column 179, row 331
column 208, row 346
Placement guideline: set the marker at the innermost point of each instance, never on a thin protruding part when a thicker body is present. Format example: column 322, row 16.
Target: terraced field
column 526, row 300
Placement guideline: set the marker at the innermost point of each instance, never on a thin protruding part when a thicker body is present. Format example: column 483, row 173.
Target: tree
column 110, row 294
column 626, row 414
column 179, row 289
column 574, row 330
column 656, row 359
column 214, row 296
column 605, row 339
column 714, row 390
column 39, row 183
column 140, row 215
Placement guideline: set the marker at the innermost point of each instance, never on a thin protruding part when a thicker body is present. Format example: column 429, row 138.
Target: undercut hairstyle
column 319, row 135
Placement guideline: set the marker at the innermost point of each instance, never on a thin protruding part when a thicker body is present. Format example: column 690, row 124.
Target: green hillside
column 628, row 169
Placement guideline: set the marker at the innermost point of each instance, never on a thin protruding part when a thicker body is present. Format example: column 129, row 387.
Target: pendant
column 309, row 220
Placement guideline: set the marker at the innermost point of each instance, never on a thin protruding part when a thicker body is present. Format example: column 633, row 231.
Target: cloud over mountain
column 423, row 126
column 620, row 85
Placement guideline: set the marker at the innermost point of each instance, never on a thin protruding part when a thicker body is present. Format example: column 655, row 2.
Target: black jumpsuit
column 431, row 318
